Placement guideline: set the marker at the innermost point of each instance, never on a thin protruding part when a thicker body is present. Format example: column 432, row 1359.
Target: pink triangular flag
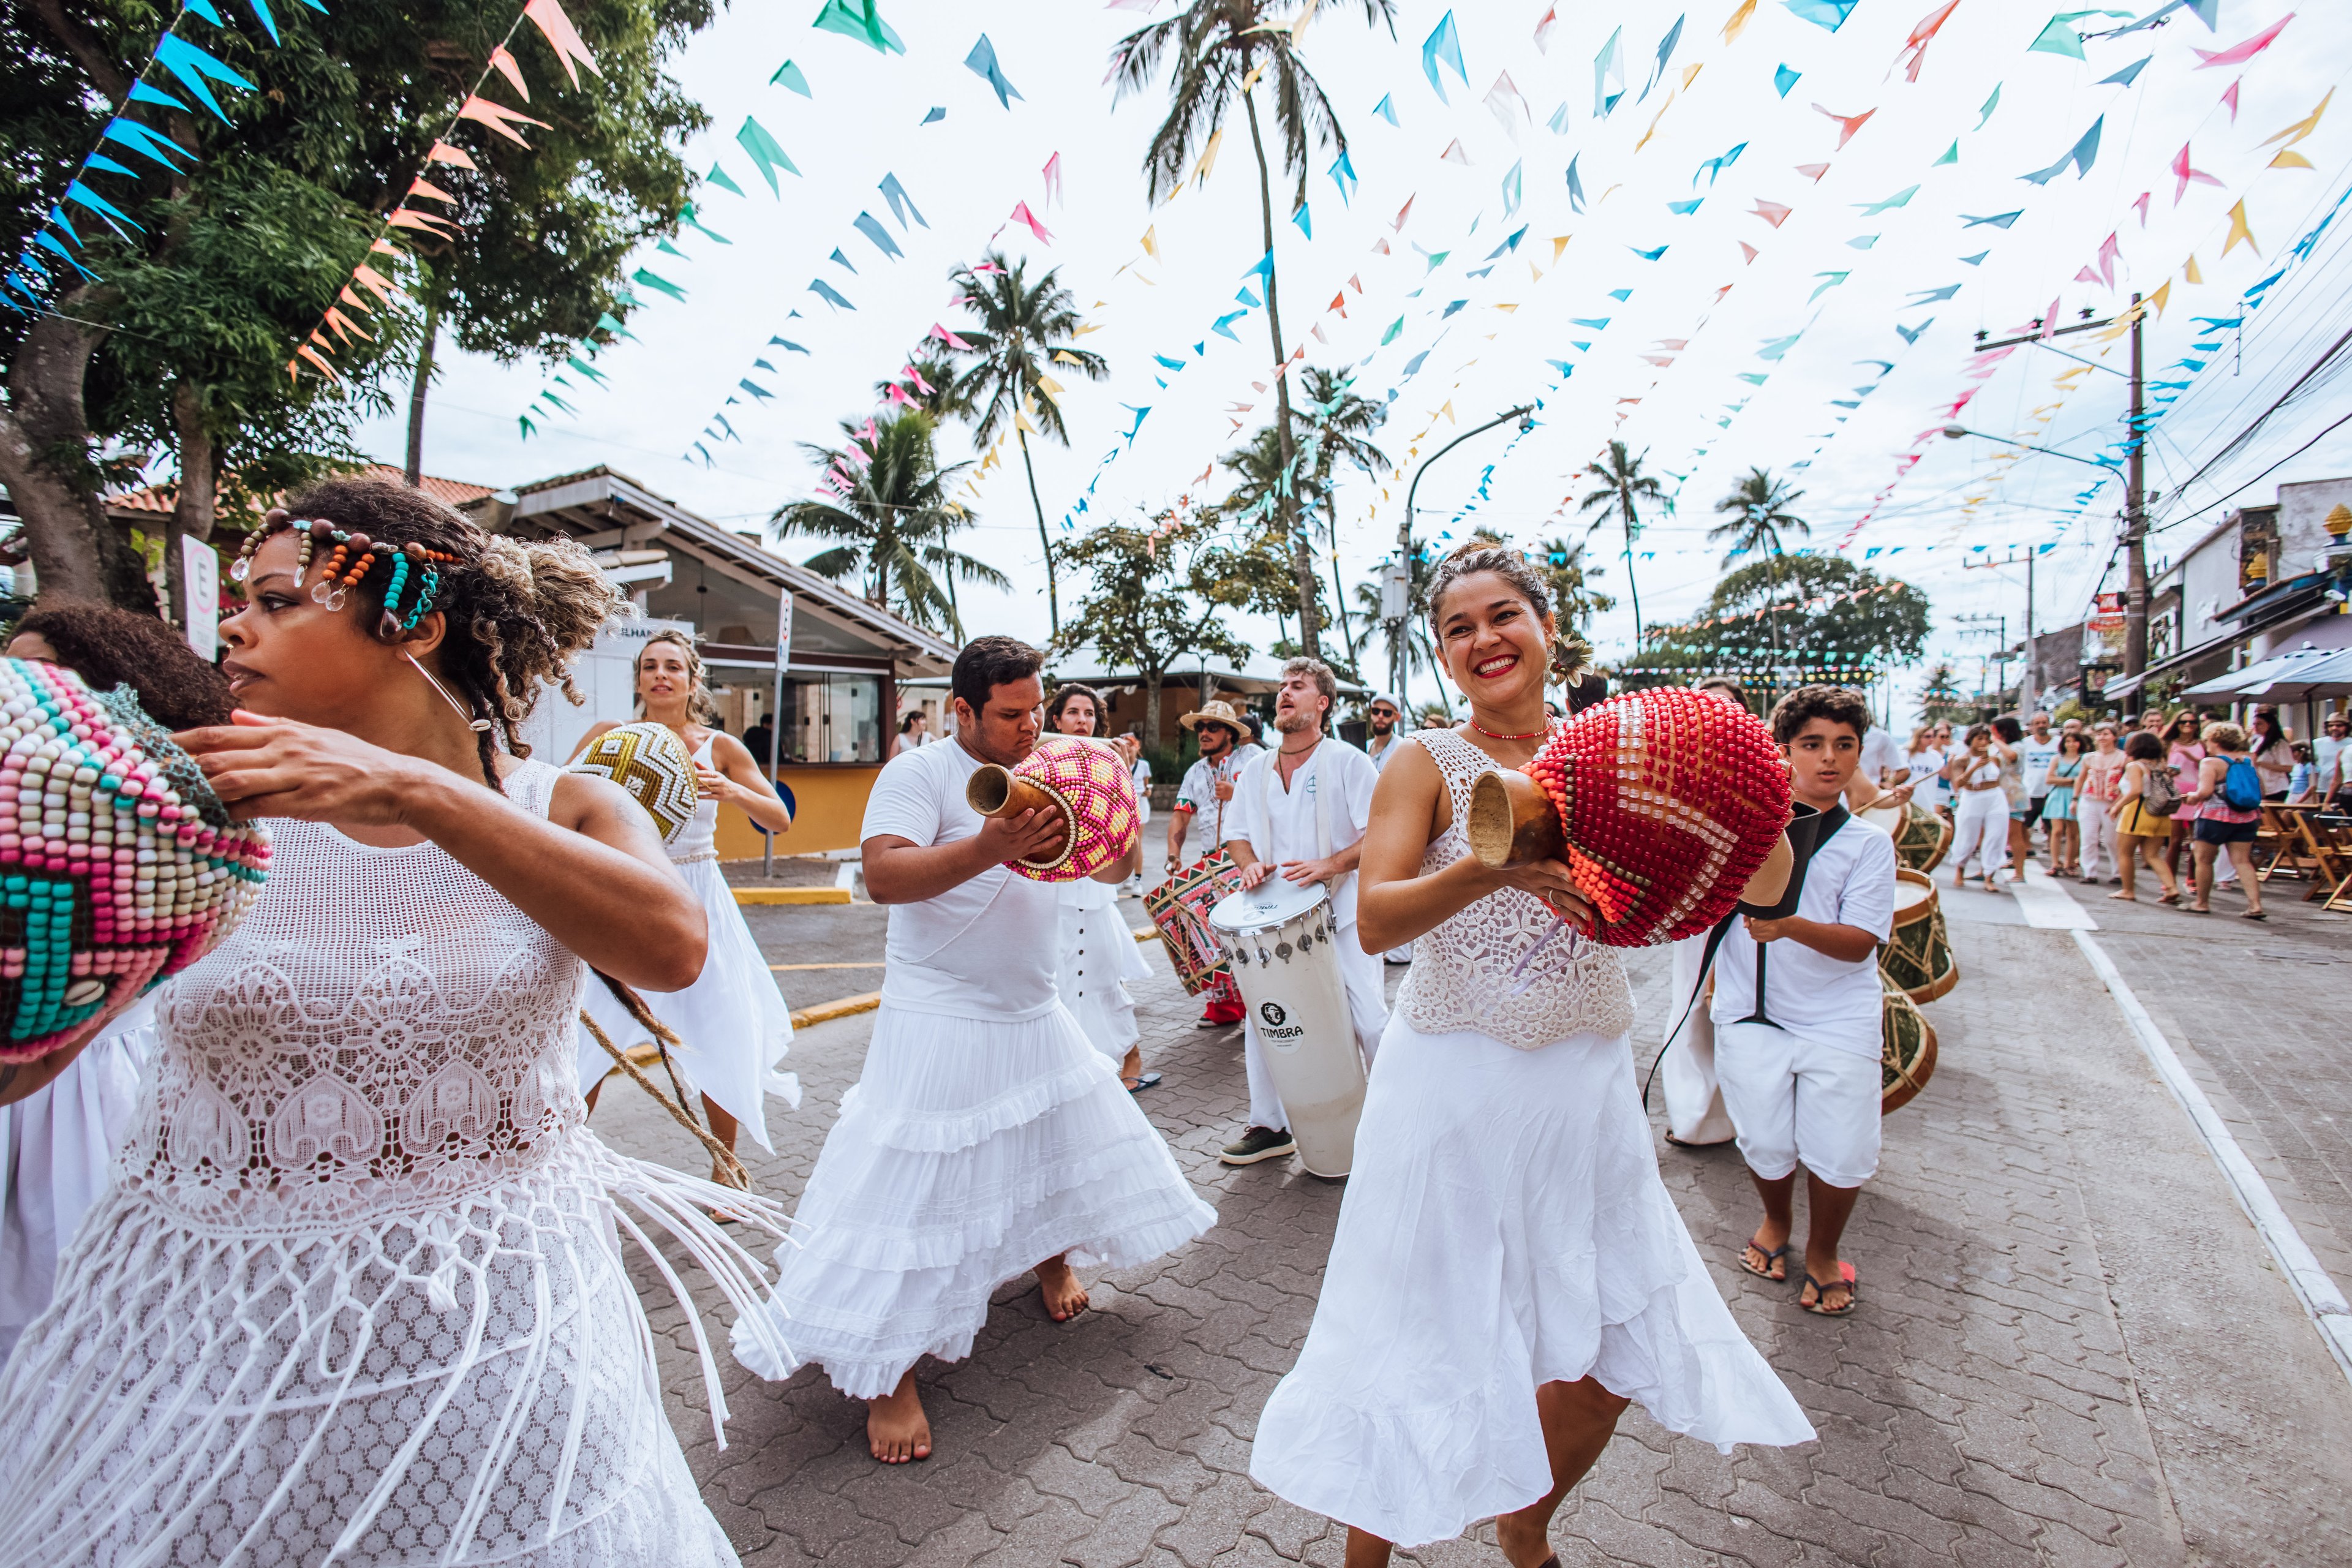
column 1847, row 124
column 948, row 338
column 1813, row 171
column 2142, row 204
column 2183, row 174
column 561, row 35
column 421, row 186
column 498, row 117
column 1021, row 213
column 443, row 152
column 1773, row 212
column 2109, row 254
column 507, row 67
column 1053, row 180
column 2239, row 54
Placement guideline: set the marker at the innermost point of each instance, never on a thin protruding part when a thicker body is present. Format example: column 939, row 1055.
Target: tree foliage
column 180, row 345
column 890, row 521
column 1759, row 517
column 1828, row 613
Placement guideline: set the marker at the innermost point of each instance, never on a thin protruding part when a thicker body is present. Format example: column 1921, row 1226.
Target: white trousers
column 1795, row 1098
column 1695, row 1113
column 2098, row 838
column 1980, row 826
column 1367, row 1009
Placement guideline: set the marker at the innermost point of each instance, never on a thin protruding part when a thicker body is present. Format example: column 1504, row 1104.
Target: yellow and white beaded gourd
column 652, row 763
column 117, row 864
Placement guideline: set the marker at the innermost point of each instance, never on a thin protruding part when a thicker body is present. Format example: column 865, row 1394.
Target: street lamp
column 1954, row 432
column 1394, row 606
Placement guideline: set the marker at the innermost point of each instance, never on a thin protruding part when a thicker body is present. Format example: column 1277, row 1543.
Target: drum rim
column 1322, row 898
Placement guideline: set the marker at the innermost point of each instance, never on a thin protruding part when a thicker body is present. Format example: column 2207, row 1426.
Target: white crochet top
column 1506, row 966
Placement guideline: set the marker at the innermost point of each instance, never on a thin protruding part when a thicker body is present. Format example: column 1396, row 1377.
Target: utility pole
column 1397, row 586
column 2135, row 537
column 2136, row 522
column 2025, row 681
column 1997, row 627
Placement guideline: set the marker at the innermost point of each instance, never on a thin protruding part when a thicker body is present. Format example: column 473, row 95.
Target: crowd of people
column 352, row 1285
column 2176, row 796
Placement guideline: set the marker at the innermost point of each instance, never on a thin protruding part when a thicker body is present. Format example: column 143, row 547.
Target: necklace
column 1530, row 735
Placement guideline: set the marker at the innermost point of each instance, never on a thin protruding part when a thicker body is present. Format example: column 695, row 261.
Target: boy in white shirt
column 1797, row 1006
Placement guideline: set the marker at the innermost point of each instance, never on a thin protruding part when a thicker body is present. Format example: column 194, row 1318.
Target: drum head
column 1887, row 819
column 1272, row 902
column 1909, row 896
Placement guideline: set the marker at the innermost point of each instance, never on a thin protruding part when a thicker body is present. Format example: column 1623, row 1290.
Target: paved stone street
column 2073, row 1348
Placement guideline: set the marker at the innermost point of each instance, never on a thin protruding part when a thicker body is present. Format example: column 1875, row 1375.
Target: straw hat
column 1214, row 712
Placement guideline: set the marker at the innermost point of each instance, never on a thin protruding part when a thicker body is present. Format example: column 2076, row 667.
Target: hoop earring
column 479, row 726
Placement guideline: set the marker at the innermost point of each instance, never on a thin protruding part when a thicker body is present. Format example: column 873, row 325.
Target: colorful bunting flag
column 982, row 61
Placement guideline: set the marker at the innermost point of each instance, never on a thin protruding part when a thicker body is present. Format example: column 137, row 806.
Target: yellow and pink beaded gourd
column 117, row 864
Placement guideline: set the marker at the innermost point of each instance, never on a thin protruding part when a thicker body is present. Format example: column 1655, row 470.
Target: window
column 832, row 719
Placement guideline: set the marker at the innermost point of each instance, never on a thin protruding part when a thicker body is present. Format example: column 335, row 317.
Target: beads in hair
column 410, row 562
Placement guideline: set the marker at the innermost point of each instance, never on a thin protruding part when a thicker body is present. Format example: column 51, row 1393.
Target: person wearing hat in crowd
column 1381, row 716
column 1207, row 787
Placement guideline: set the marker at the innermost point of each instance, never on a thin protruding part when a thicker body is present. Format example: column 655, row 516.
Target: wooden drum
column 1907, row 1051
column 1918, row 959
column 1920, row 835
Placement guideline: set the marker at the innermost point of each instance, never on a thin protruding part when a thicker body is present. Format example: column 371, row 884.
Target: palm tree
column 1343, row 421
column 1574, row 600
column 1222, row 48
column 890, row 520
column 1624, row 487
column 1760, row 507
column 1022, row 328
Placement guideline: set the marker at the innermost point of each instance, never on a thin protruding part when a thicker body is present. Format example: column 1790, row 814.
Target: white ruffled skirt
column 967, row 1154
column 1505, row 1227
column 732, row 1018
column 472, row 1382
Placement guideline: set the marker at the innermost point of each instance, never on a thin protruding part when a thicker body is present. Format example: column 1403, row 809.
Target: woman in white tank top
column 356, row 1294
column 733, row 1019
column 1508, row 1273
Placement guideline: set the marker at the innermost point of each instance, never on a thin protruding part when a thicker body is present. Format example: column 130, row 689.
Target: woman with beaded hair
column 356, row 1294
column 1507, row 1273
column 733, row 1019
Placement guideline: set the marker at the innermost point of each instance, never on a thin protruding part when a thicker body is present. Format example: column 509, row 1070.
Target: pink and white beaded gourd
column 117, row 864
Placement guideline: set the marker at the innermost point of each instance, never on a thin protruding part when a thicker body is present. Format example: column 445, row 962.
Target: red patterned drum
column 1087, row 782
column 1180, row 907
column 1661, row 803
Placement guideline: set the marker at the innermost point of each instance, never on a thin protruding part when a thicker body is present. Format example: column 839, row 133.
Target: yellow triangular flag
column 2163, row 293
column 1738, row 23
column 2190, row 274
column 1064, row 356
column 1082, row 331
column 1050, row 387
column 1020, row 422
column 2301, row 128
column 2283, row 160
column 1208, row 164
column 1653, row 131
column 2239, row 231
column 1558, row 244
column 1250, row 80
column 1448, row 412
column 1690, row 74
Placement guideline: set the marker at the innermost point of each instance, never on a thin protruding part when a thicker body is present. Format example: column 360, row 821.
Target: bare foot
column 2126, row 898
column 1064, row 1298
column 896, row 1430
column 1525, row 1544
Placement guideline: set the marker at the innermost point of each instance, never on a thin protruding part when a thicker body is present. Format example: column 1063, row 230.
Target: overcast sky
column 1453, row 159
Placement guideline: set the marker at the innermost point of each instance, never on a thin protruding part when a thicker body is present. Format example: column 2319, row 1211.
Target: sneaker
column 1259, row 1143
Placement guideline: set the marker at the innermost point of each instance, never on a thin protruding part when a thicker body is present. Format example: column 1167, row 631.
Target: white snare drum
column 1278, row 938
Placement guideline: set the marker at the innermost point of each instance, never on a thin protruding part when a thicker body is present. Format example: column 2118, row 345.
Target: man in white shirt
column 929, row 1194
column 1883, row 763
column 1797, row 1013
column 2035, row 753
column 1301, row 811
column 2328, row 753
column 1381, row 716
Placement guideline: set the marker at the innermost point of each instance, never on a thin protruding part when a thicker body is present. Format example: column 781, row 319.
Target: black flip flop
column 1846, row 1278
column 1138, row 1085
column 1769, row 1258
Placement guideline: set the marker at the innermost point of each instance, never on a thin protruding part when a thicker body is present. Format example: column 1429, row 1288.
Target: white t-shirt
column 1881, row 753
column 1282, row 825
column 2037, row 756
column 985, row 949
column 1850, row 881
column 1198, row 791
column 1924, row 769
column 2324, row 752
column 1382, row 755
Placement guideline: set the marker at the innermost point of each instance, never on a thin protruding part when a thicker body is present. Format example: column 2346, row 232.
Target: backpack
column 2160, row 794
column 2242, row 787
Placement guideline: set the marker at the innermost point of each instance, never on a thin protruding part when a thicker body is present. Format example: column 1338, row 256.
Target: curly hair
column 108, row 647
column 1837, row 704
column 698, row 704
column 518, row 611
column 1571, row 655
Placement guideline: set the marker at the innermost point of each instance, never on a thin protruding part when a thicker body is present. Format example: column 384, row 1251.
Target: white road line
column 2048, row 906
column 2319, row 1293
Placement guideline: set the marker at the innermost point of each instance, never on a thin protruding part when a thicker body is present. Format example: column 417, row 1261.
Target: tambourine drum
column 1661, row 803
column 117, row 864
column 1087, row 782
column 1279, row 938
column 1180, row 907
column 1918, row 960
column 1907, row 1050
column 653, row 765
column 1920, row 835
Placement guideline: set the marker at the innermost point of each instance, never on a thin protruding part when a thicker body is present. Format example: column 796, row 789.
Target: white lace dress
column 356, row 1294
column 1505, row 1227
column 732, row 1018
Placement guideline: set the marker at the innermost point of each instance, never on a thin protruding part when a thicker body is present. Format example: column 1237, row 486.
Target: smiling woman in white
column 986, row 1137
column 1300, row 812
column 1509, row 1272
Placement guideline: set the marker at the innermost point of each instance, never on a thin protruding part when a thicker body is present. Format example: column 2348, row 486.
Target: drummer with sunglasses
column 1301, row 810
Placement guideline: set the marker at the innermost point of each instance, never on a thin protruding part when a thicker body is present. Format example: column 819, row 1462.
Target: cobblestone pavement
column 2072, row 1347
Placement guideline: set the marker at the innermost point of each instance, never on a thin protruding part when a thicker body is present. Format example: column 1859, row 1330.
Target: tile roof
column 159, row 500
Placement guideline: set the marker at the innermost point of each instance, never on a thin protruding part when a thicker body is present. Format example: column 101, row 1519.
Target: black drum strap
column 1832, row 820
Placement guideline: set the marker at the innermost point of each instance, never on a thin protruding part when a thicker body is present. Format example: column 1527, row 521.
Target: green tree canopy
column 179, row 342
column 1831, row 615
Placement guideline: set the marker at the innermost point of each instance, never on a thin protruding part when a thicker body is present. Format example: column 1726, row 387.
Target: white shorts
column 1794, row 1099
